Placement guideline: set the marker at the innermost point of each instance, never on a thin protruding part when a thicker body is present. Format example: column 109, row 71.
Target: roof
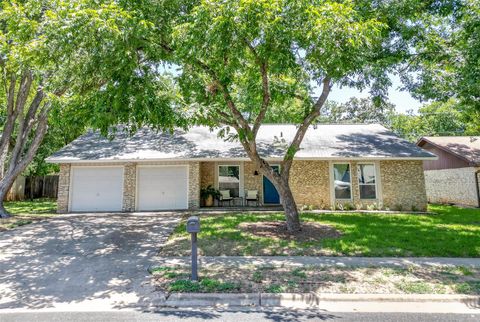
column 464, row 147
column 371, row 141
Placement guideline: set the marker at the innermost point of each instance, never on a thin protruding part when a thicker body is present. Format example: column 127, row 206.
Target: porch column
column 193, row 185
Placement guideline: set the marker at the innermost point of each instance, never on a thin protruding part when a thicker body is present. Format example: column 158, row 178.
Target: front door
column 270, row 193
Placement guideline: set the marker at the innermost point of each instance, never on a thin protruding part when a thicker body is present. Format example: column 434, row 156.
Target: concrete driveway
column 82, row 262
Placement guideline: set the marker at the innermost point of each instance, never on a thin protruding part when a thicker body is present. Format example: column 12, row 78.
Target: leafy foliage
column 434, row 119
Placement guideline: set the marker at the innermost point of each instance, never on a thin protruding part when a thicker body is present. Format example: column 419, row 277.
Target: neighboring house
column 454, row 177
column 355, row 164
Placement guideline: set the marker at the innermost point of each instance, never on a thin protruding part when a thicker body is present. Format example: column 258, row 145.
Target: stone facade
column 207, row 174
column 403, row 185
column 252, row 181
column 457, row 186
column 310, row 183
column 193, row 185
column 63, row 188
column 129, row 186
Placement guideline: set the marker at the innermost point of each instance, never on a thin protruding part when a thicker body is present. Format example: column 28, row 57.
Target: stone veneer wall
column 456, row 186
column 310, row 183
column 193, row 185
column 63, row 188
column 207, row 174
column 403, row 185
column 129, row 186
column 252, row 181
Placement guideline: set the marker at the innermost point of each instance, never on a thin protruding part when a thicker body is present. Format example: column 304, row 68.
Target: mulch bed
column 277, row 229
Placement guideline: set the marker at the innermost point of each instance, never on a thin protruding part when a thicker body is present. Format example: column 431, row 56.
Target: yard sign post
column 193, row 227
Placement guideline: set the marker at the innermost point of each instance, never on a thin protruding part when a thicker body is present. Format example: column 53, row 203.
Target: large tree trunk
column 289, row 206
column 5, row 185
column 280, row 181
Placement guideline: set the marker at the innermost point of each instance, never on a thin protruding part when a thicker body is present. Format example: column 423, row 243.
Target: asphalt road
column 225, row 315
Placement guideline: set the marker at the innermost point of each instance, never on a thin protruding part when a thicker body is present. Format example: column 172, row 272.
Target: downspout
column 478, row 187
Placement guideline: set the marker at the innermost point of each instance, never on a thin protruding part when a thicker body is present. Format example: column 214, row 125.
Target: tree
column 434, row 119
column 236, row 61
column 445, row 60
column 54, row 52
column 358, row 110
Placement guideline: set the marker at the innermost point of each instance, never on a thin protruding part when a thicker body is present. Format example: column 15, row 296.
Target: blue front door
column 270, row 193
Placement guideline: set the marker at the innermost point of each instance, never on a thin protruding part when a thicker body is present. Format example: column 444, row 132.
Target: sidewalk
column 320, row 261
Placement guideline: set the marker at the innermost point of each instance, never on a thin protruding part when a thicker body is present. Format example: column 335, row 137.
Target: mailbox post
column 193, row 227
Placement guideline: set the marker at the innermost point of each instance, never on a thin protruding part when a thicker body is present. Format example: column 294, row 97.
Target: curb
column 308, row 300
column 212, row 299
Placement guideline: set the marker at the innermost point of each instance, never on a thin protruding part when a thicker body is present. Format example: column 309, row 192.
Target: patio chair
column 252, row 196
column 225, row 197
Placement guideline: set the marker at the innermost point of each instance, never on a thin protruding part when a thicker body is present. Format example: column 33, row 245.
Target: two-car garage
column 101, row 188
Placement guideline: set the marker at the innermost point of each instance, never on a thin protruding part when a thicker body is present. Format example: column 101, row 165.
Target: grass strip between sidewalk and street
column 345, row 280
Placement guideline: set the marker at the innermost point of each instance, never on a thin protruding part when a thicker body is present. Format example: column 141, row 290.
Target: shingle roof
column 370, row 141
column 466, row 147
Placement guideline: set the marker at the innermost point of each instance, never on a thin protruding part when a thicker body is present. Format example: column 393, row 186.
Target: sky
column 402, row 99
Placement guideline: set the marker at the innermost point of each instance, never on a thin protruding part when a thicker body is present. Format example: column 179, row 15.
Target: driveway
column 85, row 262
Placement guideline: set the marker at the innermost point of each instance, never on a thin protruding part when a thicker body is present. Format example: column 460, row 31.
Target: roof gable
column 464, row 147
column 370, row 141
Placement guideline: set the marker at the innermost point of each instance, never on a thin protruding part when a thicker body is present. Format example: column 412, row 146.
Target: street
column 230, row 315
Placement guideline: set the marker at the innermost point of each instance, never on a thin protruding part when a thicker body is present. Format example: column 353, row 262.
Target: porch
column 240, row 185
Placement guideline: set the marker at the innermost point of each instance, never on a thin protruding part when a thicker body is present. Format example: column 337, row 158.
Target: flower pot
column 209, row 201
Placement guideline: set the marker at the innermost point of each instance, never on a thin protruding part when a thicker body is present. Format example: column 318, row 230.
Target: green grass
column 35, row 207
column 449, row 232
column 205, row 285
column 26, row 212
column 320, row 279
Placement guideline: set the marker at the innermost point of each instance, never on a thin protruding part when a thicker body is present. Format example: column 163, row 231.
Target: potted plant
column 208, row 194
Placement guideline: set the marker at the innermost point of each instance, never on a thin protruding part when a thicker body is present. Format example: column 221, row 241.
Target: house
column 454, row 177
column 354, row 164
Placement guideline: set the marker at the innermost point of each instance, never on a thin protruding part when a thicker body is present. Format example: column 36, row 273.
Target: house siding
column 446, row 160
column 252, row 181
column 193, row 185
column 63, row 188
column 403, row 185
column 310, row 183
column 129, row 186
column 457, row 186
column 207, row 174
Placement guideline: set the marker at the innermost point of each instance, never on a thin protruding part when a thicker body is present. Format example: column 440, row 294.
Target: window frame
column 239, row 177
column 333, row 181
column 368, row 184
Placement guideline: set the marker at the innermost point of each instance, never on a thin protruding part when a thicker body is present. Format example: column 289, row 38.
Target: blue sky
column 402, row 99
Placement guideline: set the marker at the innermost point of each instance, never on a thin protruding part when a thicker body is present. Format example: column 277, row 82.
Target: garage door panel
column 97, row 189
column 162, row 188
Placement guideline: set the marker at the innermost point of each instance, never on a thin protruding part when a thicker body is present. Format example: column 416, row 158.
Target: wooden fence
column 41, row 187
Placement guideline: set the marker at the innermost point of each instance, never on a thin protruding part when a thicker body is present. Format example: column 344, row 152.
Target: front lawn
column 449, row 232
column 26, row 212
column 316, row 279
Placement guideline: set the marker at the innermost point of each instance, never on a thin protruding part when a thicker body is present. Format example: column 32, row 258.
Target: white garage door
column 97, row 189
column 162, row 188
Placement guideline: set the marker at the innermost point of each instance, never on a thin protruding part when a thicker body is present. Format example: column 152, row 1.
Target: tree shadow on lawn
column 362, row 235
column 75, row 260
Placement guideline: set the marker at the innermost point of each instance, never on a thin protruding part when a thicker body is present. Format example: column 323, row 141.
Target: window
column 367, row 181
column 342, row 184
column 229, row 179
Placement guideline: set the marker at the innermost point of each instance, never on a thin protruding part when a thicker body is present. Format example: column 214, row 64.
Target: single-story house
column 454, row 178
column 336, row 164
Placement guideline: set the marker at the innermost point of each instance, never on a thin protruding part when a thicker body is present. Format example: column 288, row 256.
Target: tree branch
column 265, row 88
column 297, row 140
